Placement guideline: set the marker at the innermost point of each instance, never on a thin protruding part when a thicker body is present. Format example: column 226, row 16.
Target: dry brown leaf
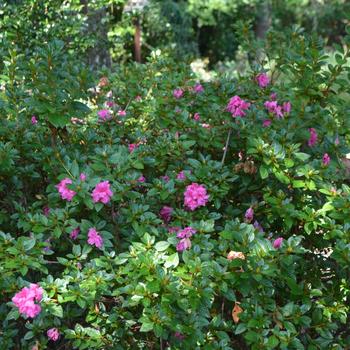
column 235, row 312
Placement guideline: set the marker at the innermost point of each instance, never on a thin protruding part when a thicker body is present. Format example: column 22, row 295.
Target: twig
column 226, row 147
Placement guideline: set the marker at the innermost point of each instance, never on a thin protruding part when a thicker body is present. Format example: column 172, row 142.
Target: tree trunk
column 264, row 19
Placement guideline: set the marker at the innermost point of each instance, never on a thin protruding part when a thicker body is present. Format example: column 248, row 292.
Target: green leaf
column 302, row 156
column 172, row 260
column 58, row 121
column 263, row 172
column 147, row 326
column 161, row 246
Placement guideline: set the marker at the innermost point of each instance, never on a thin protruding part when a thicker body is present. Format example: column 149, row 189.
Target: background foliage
column 65, row 62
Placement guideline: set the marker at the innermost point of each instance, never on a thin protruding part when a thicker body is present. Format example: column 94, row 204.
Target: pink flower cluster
column 53, row 334
column 178, row 93
column 34, row 120
column 313, row 137
column 94, row 238
column 195, row 196
column 184, row 236
column 166, row 213
column 102, row 192
column 181, row 176
column 277, row 243
column 198, row 88
column 132, row 147
column 249, row 214
column 263, row 80
column 326, row 159
column 64, row 191
column 237, row 106
column 74, row 234
column 279, row 111
column 104, row 114
column 25, row 300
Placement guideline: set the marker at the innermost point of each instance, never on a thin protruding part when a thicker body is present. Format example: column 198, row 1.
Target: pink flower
column 326, row 159
column 64, row 191
column 273, row 96
column 195, row 196
column 177, row 93
column 34, row 120
column 94, row 238
column 109, row 104
column 274, row 108
column 198, row 88
column 181, row 176
column 187, row 232
column 286, row 107
column 53, row 334
column 313, row 137
column 237, row 106
column 74, row 234
column 138, row 98
column 122, row 113
column 82, row 177
column 263, row 80
column 179, row 336
column 141, row 179
column 132, row 147
column 104, row 114
column 183, row 244
column 277, row 243
column 165, row 178
column 102, row 192
column 166, row 213
column 196, row 116
column 249, row 214
column 206, row 126
column 24, row 300
column 267, row 123
column 46, row 210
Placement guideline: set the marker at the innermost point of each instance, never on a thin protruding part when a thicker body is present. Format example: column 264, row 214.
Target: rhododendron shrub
column 161, row 229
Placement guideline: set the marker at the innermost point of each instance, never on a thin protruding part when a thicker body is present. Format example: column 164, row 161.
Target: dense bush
column 155, row 212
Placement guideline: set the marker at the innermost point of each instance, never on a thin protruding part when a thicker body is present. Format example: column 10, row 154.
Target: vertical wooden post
column 137, row 40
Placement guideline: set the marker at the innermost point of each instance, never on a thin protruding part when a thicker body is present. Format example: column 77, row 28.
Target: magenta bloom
column 82, row 177
column 165, row 178
column 132, row 147
column 313, row 137
column 274, row 108
column 287, row 106
column 179, row 336
column 183, row 244
column 178, row 93
column 110, row 104
column 263, row 80
column 74, row 234
column 64, row 191
column 141, row 179
column 104, row 114
column 267, row 123
column 181, row 176
column 249, row 214
column 102, row 193
column 195, row 196
column 277, row 243
column 237, row 106
column 196, row 116
column 273, row 96
column 25, row 300
column 94, row 238
column 34, row 120
column 122, row 113
column 53, row 334
column 166, row 213
column 326, row 159
column 198, row 88
column 187, row 232
column 46, row 211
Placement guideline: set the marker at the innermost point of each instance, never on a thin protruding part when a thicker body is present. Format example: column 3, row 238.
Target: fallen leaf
column 235, row 312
